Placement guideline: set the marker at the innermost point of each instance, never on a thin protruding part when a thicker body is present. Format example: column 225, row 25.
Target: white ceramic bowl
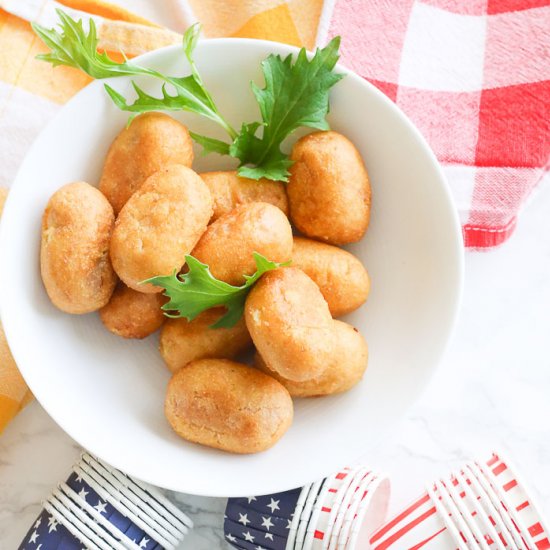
column 108, row 393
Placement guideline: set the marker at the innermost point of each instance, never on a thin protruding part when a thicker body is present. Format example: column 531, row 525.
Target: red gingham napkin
column 474, row 76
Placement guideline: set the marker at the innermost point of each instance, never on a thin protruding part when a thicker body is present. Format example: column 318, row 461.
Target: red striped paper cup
column 359, row 476
column 485, row 515
column 313, row 532
column 513, row 492
column 330, row 507
column 351, row 514
column 484, row 505
column 371, row 512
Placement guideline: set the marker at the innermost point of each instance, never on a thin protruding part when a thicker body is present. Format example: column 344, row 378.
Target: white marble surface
column 492, row 391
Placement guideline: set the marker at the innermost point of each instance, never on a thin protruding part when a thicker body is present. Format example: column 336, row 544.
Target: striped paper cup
column 371, row 513
column 484, row 505
column 311, row 531
column 351, row 513
column 330, row 506
column 493, row 509
column 307, row 512
column 312, row 517
column 358, row 477
column 482, row 515
column 294, row 524
column 520, row 504
column 417, row 526
column 99, row 507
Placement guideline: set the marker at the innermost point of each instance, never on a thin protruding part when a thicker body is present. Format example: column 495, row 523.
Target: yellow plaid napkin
column 32, row 91
column 292, row 21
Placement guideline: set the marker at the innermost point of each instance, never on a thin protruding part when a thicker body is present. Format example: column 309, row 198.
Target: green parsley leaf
column 188, row 96
column 210, row 145
column 198, row 290
column 72, row 46
column 295, row 94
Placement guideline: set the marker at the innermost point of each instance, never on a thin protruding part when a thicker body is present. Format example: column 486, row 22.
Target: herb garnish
column 296, row 94
column 198, row 290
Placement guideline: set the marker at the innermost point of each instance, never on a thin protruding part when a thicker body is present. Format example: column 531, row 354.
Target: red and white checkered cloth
column 474, row 76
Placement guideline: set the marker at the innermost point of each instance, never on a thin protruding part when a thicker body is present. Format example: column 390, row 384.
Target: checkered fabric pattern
column 474, row 76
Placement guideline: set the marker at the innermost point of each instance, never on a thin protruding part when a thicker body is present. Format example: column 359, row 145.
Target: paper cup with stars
column 240, row 534
column 261, row 522
column 99, row 507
